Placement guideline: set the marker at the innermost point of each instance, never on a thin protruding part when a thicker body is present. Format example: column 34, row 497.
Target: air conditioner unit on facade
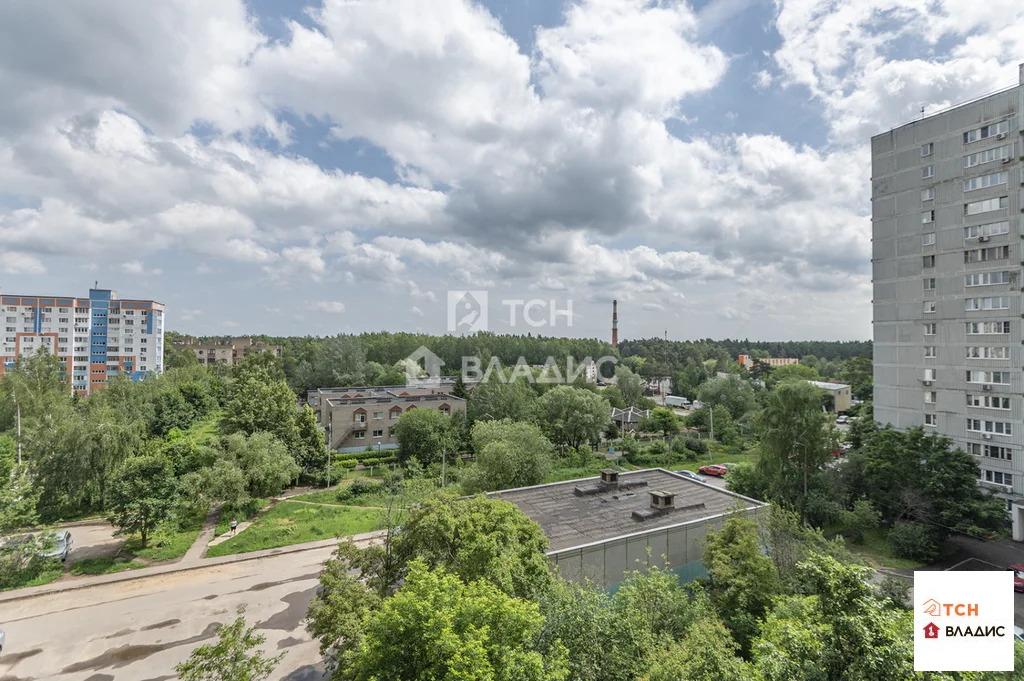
column 926, row 381
column 1007, row 159
column 1001, row 136
column 987, row 436
column 983, row 239
column 986, row 387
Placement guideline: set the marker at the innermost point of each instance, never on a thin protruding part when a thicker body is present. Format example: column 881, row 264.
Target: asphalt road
column 139, row 629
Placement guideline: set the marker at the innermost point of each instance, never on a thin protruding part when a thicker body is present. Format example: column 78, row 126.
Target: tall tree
column 572, row 417
column 257, row 402
column 438, row 627
column 663, row 421
column 264, row 460
column 741, row 580
column 141, row 494
column 508, row 455
column 478, row 538
column 795, row 440
column 732, row 392
column 496, row 399
column 311, row 454
column 630, row 385
column 424, row 434
column 841, row 631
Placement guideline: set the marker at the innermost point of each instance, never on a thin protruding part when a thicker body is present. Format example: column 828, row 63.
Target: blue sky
column 265, row 167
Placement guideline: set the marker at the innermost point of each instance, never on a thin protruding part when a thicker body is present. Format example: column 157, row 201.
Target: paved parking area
column 92, row 540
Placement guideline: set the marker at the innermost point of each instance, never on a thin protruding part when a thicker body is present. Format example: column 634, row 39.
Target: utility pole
column 711, row 413
column 17, row 407
column 328, row 454
column 444, row 465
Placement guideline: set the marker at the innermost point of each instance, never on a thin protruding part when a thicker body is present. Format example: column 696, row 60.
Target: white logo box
column 980, row 603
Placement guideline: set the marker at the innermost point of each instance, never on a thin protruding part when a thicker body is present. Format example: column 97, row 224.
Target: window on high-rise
column 986, row 131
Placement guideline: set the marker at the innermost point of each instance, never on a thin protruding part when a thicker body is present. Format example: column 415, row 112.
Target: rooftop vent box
column 662, row 500
column 609, row 476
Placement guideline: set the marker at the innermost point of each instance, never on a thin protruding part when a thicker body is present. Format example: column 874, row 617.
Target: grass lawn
column 227, row 514
column 50, row 573
column 165, row 544
column 574, row 473
column 105, row 565
column 718, row 454
column 290, row 523
column 204, row 431
column 877, row 551
column 379, row 499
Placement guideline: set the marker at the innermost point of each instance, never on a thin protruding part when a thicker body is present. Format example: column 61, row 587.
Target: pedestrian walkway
column 198, row 548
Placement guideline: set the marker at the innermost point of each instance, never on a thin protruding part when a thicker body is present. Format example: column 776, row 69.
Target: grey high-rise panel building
column 948, row 248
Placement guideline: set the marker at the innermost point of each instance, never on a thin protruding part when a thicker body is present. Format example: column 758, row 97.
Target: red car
column 713, row 469
column 1018, row 576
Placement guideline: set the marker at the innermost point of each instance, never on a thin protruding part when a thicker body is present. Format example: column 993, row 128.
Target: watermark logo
column 972, row 615
column 423, row 369
column 427, row 374
column 467, row 312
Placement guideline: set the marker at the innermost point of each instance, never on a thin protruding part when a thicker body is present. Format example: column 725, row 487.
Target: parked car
column 1018, row 576
column 2, row 637
column 692, row 476
column 715, row 469
column 842, row 419
column 1018, row 634
column 59, row 548
column 62, row 546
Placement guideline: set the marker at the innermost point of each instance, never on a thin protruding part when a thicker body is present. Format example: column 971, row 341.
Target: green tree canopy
column 792, row 372
column 508, row 455
column 630, row 385
column 742, row 581
column 795, row 440
column 840, row 631
column 263, row 460
column 236, row 656
column 257, row 402
column 438, row 627
column 732, row 392
column 572, row 417
column 478, row 538
column 706, row 653
column 423, row 434
column 141, row 494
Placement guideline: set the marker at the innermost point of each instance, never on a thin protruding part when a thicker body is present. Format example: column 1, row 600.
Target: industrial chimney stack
column 615, row 323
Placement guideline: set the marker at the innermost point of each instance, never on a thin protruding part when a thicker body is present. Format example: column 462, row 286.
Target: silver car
column 2, row 637
column 61, row 547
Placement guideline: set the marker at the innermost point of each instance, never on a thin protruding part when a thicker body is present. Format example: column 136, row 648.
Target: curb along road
column 361, row 540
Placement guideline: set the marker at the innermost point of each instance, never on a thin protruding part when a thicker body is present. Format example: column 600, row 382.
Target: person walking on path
column 234, row 524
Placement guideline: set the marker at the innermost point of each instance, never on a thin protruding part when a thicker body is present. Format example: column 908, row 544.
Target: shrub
column 657, row 448
column 696, row 446
column 896, row 590
column 913, row 541
column 359, row 487
column 861, row 520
